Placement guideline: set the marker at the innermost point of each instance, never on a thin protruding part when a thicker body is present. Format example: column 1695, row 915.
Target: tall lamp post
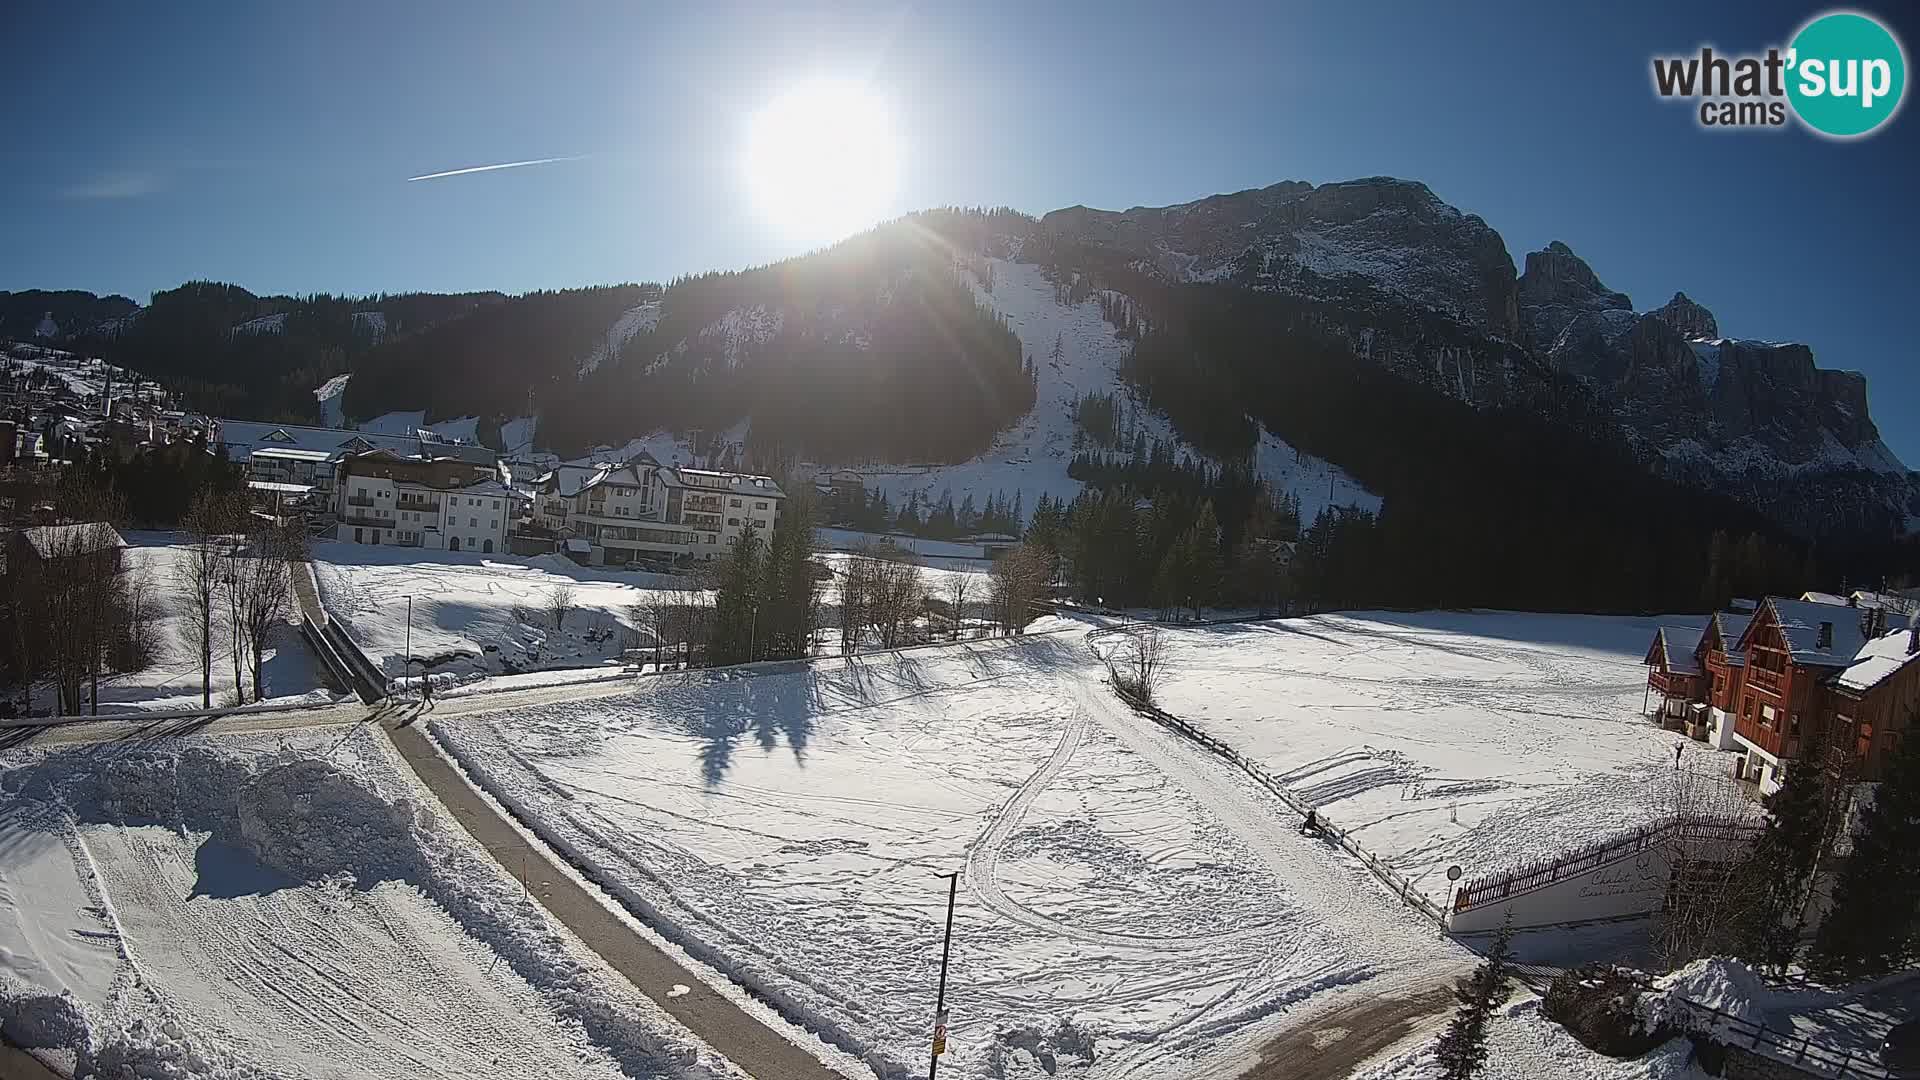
column 940, row 1005
column 408, row 665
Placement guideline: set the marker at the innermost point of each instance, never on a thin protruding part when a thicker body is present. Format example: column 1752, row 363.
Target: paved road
column 725, row 1026
column 1338, row 1041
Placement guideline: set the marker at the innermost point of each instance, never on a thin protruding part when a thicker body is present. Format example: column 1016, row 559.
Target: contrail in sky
column 490, row 168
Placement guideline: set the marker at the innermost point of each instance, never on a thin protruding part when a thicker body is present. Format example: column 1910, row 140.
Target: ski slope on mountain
column 1032, row 458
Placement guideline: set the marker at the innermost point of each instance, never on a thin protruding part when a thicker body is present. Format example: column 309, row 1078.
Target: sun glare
column 822, row 160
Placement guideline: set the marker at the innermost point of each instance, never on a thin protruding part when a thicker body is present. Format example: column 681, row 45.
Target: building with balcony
column 646, row 512
column 312, row 457
column 444, row 503
column 1798, row 676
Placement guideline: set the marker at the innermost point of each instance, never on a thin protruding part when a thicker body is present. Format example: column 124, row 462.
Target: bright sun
column 822, row 160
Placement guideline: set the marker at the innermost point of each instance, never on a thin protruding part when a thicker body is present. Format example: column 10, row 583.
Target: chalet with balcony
column 1674, row 674
column 1816, row 673
column 1723, row 670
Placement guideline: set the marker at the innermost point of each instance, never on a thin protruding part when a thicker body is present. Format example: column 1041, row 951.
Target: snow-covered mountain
column 1755, row 419
column 1430, row 292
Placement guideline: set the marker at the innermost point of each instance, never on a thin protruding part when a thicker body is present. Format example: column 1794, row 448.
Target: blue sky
column 269, row 144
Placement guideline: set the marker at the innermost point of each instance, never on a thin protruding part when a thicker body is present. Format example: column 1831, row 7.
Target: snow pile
column 1717, row 982
column 1522, row 1044
column 365, row 910
column 43, row 1021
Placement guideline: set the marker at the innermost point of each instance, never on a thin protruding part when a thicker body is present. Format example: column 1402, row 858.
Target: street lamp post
column 940, row 1005
column 409, row 660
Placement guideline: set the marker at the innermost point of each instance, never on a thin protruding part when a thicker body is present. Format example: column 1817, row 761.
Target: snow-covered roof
column 61, row 541
column 1891, row 602
column 1731, row 628
column 244, row 438
column 1675, row 645
column 1812, row 597
column 1877, row 661
column 571, row 480
column 1801, row 621
column 710, row 480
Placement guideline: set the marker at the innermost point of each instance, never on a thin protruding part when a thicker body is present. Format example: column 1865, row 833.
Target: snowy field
column 463, row 604
column 172, row 681
column 1478, row 738
column 295, row 907
column 1126, row 908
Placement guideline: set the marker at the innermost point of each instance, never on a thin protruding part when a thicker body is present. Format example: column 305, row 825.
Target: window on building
column 473, row 523
column 759, row 523
column 733, row 521
column 733, row 502
column 761, row 505
column 494, row 524
column 496, row 504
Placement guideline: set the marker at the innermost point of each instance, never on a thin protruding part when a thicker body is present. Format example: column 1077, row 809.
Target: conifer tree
column 1463, row 1049
column 1876, row 907
column 736, row 603
column 1767, row 931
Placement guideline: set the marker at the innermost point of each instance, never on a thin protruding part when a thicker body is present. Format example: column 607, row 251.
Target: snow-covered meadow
column 1479, row 738
column 463, row 607
column 1125, row 908
column 289, row 907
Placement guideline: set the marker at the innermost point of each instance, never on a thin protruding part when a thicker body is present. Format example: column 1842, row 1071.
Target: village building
column 292, row 457
column 1796, row 675
column 645, row 512
column 449, row 503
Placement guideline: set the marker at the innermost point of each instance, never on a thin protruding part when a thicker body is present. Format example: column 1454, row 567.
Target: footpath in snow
column 289, row 907
column 1127, row 907
column 1478, row 738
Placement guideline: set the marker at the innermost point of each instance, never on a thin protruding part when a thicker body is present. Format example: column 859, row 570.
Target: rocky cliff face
column 1377, row 234
column 1430, row 292
column 1755, row 419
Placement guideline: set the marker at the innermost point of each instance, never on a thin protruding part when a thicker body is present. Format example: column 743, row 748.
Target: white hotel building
column 644, row 511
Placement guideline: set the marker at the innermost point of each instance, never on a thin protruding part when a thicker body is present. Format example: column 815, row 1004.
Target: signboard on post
column 940, row 1033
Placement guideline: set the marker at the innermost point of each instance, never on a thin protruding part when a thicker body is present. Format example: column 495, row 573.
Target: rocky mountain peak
column 1557, row 289
column 1695, row 323
column 1379, row 236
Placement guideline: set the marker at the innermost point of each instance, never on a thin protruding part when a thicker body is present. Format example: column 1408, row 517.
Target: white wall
column 1635, row 884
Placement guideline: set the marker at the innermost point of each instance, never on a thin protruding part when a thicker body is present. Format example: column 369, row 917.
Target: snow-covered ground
column 173, row 681
column 1126, row 907
column 463, row 620
column 1522, row 1044
column 1477, row 738
column 290, row 907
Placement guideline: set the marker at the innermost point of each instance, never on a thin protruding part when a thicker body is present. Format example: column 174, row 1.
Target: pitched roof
column 62, row 541
column 1877, row 661
column 1675, row 645
column 243, row 437
column 1812, row 597
column 1731, row 628
column 1800, row 622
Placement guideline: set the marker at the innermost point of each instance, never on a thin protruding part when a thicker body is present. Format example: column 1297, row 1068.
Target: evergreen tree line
column 185, row 339
column 943, row 519
column 153, row 486
column 1536, row 506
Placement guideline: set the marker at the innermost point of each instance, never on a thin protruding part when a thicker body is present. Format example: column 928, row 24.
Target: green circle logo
column 1846, row 74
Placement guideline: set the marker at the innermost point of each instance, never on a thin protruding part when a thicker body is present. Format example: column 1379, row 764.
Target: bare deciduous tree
column 1139, row 665
column 198, row 576
column 263, row 595
column 1019, row 579
column 559, row 602
column 958, row 586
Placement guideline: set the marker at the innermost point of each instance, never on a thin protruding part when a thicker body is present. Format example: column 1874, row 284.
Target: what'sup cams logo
column 1843, row 76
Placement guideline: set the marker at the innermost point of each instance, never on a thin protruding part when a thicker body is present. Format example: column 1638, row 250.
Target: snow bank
column 1718, row 982
column 1522, row 1044
column 346, row 824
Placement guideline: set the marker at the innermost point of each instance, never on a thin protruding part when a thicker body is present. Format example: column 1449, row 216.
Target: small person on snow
column 1311, row 824
column 1677, row 747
